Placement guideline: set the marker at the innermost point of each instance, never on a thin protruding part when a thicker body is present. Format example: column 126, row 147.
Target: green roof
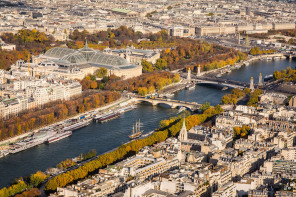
column 121, row 10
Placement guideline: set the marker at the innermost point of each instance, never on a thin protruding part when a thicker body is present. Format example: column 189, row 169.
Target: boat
column 128, row 108
column 76, row 125
column 268, row 77
column 181, row 109
column 137, row 132
column 107, row 117
column 190, row 87
column 147, row 134
column 276, row 58
column 225, row 88
column 59, row 136
column 219, row 75
column 36, row 139
column 168, row 95
column 3, row 153
column 268, row 58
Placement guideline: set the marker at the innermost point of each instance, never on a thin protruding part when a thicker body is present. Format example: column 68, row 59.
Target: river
column 104, row 137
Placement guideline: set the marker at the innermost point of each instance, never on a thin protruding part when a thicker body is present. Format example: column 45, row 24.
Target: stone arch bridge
column 172, row 103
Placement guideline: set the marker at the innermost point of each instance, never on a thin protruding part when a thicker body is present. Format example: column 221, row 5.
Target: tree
column 102, row 72
column 255, row 51
column 37, row 178
column 277, row 75
column 247, row 90
column 146, row 66
column 205, row 106
column 226, row 99
column 161, row 64
column 151, row 89
column 142, row 91
column 93, row 85
column 237, row 132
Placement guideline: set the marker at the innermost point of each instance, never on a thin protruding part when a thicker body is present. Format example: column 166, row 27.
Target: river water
column 104, row 137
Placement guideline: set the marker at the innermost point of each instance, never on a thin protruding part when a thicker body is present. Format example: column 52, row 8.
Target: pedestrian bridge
column 172, row 103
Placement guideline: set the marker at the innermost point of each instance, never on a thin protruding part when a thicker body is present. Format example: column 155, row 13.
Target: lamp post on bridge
column 198, row 70
column 260, row 82
column 252, row 84
column 189, row 75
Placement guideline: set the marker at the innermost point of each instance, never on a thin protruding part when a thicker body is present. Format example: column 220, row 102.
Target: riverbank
column 250, row 60
column 107, row 136
column 104, row 107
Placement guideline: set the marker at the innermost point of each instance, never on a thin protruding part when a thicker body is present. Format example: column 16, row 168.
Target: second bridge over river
column 172, row 103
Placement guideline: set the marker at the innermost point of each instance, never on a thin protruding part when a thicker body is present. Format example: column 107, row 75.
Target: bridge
column 232, row 83
column 172, row 103
column 221, row 81
column 289, row 55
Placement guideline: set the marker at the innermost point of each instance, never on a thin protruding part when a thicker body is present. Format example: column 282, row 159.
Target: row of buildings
column 76, row 64
column 180, row 18
column 20, row 92
column 208, row 161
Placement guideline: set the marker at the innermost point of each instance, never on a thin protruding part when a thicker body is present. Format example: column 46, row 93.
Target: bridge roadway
column 172, row 103
column 231, row 83
column 221, row 81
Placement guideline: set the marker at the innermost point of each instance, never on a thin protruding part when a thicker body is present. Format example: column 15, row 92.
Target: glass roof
column 58, row 52
column 87, row 52
column 108, row 60
column 87, row 55
column 75, row 58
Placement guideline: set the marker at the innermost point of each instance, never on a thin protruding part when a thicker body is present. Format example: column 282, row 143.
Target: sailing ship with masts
column 137, row 131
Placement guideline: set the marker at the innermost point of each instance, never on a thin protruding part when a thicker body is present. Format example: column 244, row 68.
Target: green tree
column 255, row 51
column 142, row 91
column 161, row 64
column 102, row 72
column 205, row 106
column 146, row 66
column 247, row 90
column 37, row 178
column 151, row 89
column 93, row 85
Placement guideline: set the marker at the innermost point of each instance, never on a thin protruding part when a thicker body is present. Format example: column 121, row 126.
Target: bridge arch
column 205, row 82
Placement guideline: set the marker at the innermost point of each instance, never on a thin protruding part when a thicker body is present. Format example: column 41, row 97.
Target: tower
column 238, row 39
column 189, row 75
column 260, row 83
column 247, row 41
column 198, row 70
column 252, row 84
column 183, row 135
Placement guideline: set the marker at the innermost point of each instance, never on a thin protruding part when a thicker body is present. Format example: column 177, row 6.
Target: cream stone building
column 76, row 64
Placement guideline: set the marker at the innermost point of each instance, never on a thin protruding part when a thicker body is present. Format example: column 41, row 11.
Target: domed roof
column 87, row 55
column 75, row 58
column 87, row 52
column 58, row 52
column 108, row 60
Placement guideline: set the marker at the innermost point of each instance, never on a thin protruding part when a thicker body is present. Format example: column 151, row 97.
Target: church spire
column 85, row 45
column 183, row 135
